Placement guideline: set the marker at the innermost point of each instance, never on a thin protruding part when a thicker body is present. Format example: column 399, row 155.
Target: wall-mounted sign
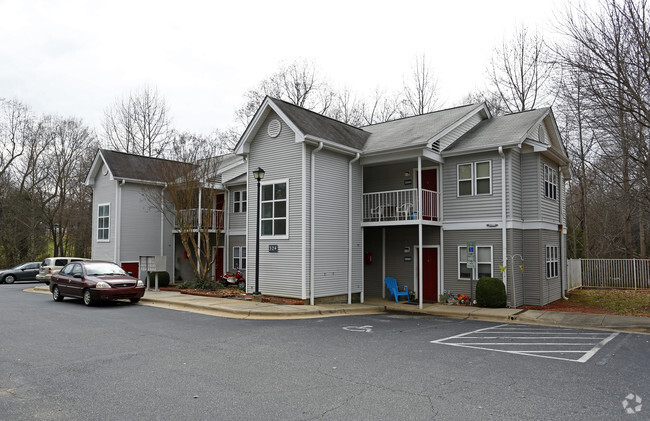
column 273, row 248
column 408, row 181
column 407, row 258
column 471, row 254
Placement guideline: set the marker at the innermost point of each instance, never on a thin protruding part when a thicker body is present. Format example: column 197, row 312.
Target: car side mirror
column 129, row 273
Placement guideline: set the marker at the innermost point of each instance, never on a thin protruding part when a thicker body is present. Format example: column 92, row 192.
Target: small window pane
column 465, row 172
column 465, row 272
column 267, row 210
column 484, row 270
column 465, row 188
column 237, row 207
column 483, row 169
column 463, row 254
column 484, row 254
column 267, row 227
column 483, row 186
column 237, row 195
column 235, row 252
column 280, row 226
column 280, row 191
column 243, row 206
column 243, row 252
column 280, row 209
column 267, row 192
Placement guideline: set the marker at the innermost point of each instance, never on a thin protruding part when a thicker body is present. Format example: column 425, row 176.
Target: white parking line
column 518, row 340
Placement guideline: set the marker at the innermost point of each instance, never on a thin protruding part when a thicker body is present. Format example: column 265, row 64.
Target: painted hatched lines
column 545, row 342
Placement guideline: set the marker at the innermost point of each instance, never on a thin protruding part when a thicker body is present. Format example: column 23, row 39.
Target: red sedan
column 95, row 281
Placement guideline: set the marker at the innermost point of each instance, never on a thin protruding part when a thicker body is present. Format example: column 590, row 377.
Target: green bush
column 490, row 292
column 208, row 284
column 163, row 279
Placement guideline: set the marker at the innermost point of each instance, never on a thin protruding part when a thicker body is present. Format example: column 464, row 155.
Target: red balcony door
column 429, row 202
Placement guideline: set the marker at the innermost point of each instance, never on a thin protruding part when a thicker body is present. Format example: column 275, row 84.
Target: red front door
column 218, row 264
column 430, row 274
column 430, row 200
column 133, row 267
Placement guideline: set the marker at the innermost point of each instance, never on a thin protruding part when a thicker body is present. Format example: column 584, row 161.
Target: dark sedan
column 23, row 272
column 95, row 281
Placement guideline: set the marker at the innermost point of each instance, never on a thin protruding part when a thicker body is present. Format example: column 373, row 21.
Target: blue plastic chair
column 391, row 284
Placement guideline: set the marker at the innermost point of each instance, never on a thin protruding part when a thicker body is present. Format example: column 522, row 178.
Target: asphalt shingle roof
column 412, row 131
column 506, row 130
column 137, row 167
column 314, row 124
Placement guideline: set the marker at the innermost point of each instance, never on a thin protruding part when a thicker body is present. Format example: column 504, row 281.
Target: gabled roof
column 320, row 126
column 416, row 130
column 131, row 167
column 506, row 130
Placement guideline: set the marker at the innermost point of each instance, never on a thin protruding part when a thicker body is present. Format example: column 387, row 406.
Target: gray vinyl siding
column 515, row 239
column 456, row 133
column 331, row 224
column 140, row 224
column 549, row 207
column 471, row 208
column 237, row 220
column 530, row 191
column 533, row 267
column 397, row 239
column 233, row 173
column 389, row 177
column 104, row 192
column 357, row 231
column 552, row 288
column 281, row 158
column 513, row 168
column 453, row 239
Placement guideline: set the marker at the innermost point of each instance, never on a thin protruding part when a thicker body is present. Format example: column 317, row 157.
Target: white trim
column 273, row 182
column 459, row 122
column 110, row 224
column 497, row 224
column 303, row 227
column 473, row 178
column 236, row 232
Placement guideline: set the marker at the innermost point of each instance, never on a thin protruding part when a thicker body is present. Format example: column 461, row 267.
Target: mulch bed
column 235, row 294
column 568, row 307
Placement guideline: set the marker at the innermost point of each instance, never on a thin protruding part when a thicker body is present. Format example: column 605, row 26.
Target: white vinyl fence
column 609, row 273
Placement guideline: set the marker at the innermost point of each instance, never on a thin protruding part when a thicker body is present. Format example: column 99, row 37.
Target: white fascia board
column 479, row 108
column 533, row 225
column 498, row 224
column 235, row 164
column 537, row 146
column 491, row 148
column 136, row 181
column 242, row 147
column 400, row 154
column 433, row 156
column 94, row 169
column 328, row 144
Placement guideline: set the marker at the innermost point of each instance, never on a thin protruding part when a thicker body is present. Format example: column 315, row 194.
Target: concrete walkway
column 246, row 309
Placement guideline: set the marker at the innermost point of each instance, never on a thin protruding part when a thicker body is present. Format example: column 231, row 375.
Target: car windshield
column 99, row 269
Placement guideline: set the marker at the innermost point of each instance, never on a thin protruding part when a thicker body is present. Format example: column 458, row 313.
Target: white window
column 550, row 182
column 552, row 261
column 274, row 219
column 103, row 222
column 239, row 200
column 475, row 178
column 239, row 257
column 483, row 266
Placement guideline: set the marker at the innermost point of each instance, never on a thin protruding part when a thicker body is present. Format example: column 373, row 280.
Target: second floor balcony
column 189, row 219
column 398, row 207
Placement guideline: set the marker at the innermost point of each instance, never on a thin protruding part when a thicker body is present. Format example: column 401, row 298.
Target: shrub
column 490, row 292
column 163, row 279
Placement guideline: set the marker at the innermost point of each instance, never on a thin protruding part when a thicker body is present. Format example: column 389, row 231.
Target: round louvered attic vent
column 274, row 128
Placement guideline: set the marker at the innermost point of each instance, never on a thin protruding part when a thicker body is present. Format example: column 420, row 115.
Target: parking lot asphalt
column 227, row 307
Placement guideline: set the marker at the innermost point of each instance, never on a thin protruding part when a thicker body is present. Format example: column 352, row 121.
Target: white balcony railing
column 188, row 219
column 399, row 205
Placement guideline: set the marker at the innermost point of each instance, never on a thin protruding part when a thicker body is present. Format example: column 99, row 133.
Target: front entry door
column 430, row 274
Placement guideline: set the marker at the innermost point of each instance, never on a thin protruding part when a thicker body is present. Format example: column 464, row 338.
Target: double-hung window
column 552, row 261
column 275, row 205
column 483, row 262
column 239, row 257
column 550, row 182
column 475, row 178
column 103, row 222
column 239, row 201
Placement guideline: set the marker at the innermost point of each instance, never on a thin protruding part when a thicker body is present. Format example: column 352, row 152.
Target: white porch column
column 420, row 266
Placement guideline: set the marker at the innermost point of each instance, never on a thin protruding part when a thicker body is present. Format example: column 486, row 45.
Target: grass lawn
column 622, row 302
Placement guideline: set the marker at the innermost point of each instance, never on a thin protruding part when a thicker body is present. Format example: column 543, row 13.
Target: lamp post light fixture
column 258, row 174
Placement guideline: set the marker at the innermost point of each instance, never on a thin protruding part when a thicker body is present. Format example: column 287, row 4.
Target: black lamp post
column 259, row 175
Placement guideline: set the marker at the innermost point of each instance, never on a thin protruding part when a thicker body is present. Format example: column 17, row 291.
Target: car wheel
column 88, row 298
column 9, row 279
column 56, row 294
column 241, row 284
column 134, row 300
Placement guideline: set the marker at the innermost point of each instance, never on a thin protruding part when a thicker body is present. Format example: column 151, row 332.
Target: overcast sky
column 75, row 58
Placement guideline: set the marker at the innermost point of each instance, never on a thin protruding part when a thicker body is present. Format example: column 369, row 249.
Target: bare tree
column 421, row 90
column 139, row 124
column 519, row 70
column 14, row 125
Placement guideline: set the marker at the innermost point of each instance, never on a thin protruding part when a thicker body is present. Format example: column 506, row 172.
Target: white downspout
column 226, row 230
column 118, row 223
column 363, row 251
column 420, row 265
column 355, row 159
column 311, row 223
column 504, row 231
